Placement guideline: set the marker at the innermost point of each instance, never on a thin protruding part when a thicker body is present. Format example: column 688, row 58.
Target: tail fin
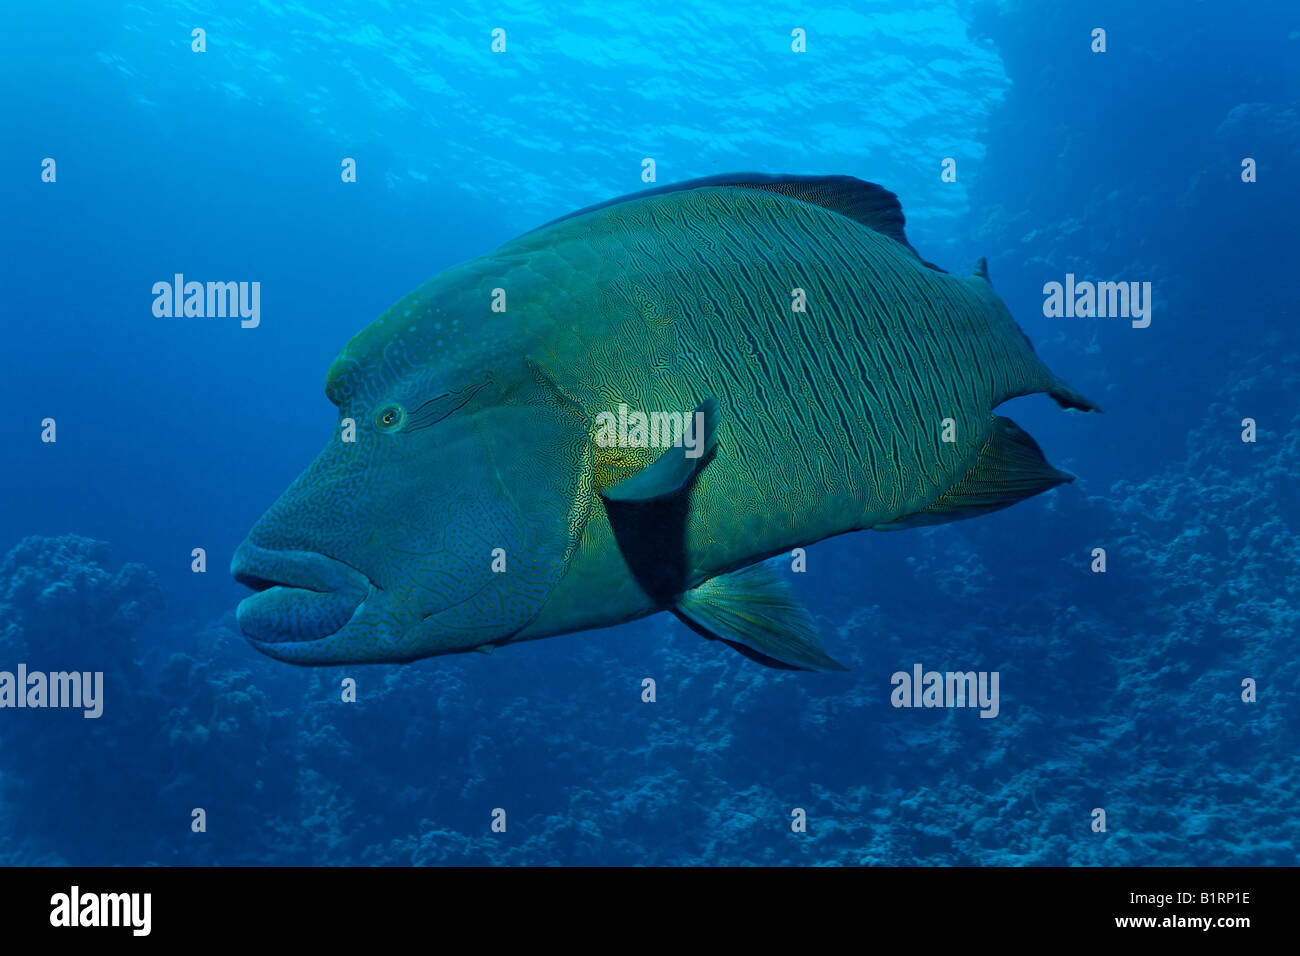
column 1067, row 397
column 1026, row 373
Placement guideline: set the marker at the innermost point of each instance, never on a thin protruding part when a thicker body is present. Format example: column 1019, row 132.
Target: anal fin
column 1010, row 468
column 755, row 611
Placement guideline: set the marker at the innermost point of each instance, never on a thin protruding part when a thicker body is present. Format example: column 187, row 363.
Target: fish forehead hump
column 447, row 329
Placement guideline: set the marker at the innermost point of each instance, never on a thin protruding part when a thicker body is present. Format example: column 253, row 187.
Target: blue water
column 1120, row 691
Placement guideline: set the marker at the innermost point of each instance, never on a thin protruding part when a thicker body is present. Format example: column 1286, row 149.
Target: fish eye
column 390, row 417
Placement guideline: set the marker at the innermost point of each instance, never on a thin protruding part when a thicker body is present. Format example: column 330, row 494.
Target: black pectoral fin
column 673, row 470
column 755, row 611
column 1010, row 468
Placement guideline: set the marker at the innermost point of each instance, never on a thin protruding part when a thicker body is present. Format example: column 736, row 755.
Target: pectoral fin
column 671, row 471
column 755, row 611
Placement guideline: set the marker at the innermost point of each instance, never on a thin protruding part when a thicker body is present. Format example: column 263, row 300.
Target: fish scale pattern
column 832, row 417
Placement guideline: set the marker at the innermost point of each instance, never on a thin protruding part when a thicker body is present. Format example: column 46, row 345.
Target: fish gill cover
column 1133, row 695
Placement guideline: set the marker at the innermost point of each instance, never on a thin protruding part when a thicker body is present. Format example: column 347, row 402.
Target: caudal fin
column 1067, row 397
column 1023, row 372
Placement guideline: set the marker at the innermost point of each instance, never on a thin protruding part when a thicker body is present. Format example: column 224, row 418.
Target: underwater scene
column 609, row 434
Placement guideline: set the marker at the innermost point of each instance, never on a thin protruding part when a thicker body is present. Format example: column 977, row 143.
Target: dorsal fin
column 982, row 269
column 871, row 205
column 868, row 203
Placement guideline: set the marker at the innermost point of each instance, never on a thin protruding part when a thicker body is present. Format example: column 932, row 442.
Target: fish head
column 444, row 509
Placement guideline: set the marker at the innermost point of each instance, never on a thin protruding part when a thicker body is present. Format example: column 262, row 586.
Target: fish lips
column 301, row 595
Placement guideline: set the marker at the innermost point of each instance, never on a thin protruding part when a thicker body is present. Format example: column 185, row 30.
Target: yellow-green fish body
column 837, row 381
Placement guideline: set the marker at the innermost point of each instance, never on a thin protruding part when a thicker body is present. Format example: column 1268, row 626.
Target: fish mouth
column 301, row 595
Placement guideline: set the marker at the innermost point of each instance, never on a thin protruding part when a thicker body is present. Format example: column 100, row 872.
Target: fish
column 638, row 408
